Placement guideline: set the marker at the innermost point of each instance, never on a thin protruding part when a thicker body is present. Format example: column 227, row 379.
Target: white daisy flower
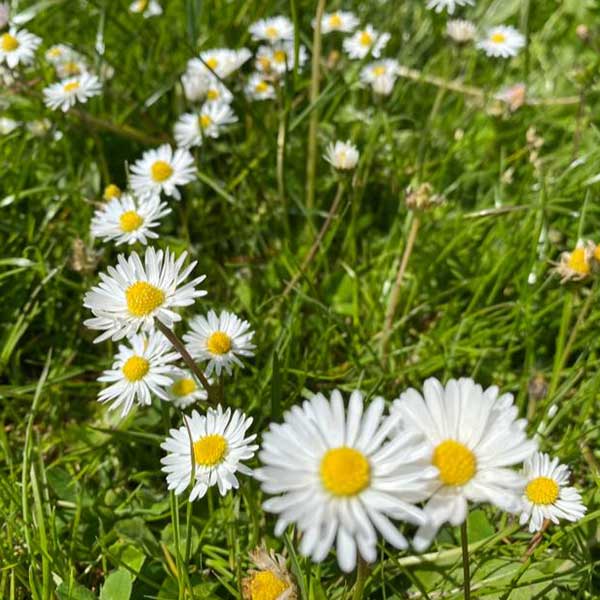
column 364, row 41
column 148, row 8
column 67, row 93
column 340, row 20
column 513, row 95
column 342, row 155
column 60, row 53
column 128, row 219
column 272, row 30
column 474, row 437
column 381, row 75
column 217, row 93
column 162, row 170
column 219, row 445
column 461, row 31
column 140, row 370
column 18, row 47
column 71, row 68
column 339, row 477
column 186, row 389
column 279, row 58
column 218, row 61
column 449, row 5
column 133, row 293
column 259, row 88
column 8, row 125
column 503, row 41
column 219, row 340
column 192, row 128
column 547, row 493
column 4, row 14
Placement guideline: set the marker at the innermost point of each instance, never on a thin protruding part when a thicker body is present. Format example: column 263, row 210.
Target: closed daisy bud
column 342, row 156
column 271, row 580
column 461, row 31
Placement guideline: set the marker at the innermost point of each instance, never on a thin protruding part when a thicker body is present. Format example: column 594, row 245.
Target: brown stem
column 535, row 540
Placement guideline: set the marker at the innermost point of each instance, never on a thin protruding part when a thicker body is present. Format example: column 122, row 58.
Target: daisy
column 216, row 92
column 133, row 293
column 461, row 31
column 67, row 93
column 381, row 75
column 474, row 438
column 547, row 494
column 335, row 476
column 503, row 41
column 218, row 61
column 162, row 170
column 364, row 41
column 219, row 340
column 111, row 191
column 148, row 8
column 339, row 20
column 8, row 125
column 139, row 371
column 185, row 389
column 259, row 88
column 271, row 580
column 279, row 58
column 128, row 219
column 191, row 128
column 342, row 155
column 577, row 264
column 18, row 47
column 60, row 53
column 449, row 5
column 272, row 30
column 219, row 444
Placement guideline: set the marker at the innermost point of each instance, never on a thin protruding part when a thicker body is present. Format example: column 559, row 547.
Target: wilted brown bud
column 83, row 259
column 538, row 387
column 422, row 198
column 583, row 32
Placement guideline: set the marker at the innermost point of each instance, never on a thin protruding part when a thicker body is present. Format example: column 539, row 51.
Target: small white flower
column 18, row 47
column 148, row 8
column 4, row 14
column 162, row 170
column 503, row 41
column 334, row 475
column 217, row 61
column 217, row 93
column 513, row 95
column 185, row 389
column 364, row 41
column 60, row 53
column 219, row 445
column 7, row 125
column 133, row 293
column 547, row 493
column 279, row 58
column 219, row 340
column 342, row 155
column 128, row 219
column 381, row 75
column 339, row 20
column 67, row 93
column 461, row 31
column 204, row 86
column 193, row 128
column 259, row 88
column 272, row 30
column 449, row 5
column 140, row 371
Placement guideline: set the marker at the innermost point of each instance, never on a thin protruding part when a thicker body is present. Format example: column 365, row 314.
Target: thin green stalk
column 464, row 542
column 362, row 572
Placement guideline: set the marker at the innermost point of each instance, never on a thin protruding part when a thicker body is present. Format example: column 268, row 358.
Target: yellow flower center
column 345, row 471
column 72, row 68
column 271, row 32
column 578, row 261
column 135, row 368
column 130, row 221
column 280, row 56
column 542, row 490
column 597, row 252
column 9, row 42
column 204, row 121
column 261, row 87
column 184, row 386
column 218, row 343
column 161, row 171
column 264, row 63
column 378, row 71
column 265, row 585
column 365, row 39
column 71, row 87
column 55, row 52
column 335, row 20
column 111, row 191
column 212, row 94
column 143, row 298
column 140, row 5
column 498, row 38
column 210, row 450
column 456, row 463
column 212, row 63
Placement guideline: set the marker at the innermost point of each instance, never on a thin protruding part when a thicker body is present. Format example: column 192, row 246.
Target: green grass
column 83, row 505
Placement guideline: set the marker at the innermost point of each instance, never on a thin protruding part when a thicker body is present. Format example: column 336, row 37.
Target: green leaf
column 74, row 591
column 117, row 586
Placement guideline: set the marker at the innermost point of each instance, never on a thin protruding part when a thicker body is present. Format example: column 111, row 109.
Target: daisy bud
column 342, row 155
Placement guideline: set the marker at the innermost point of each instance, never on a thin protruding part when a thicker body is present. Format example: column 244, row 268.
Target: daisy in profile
column 339, row 20
column 141, row 370
column 381, row 75
column 365, row 41
column 577, row 264
column 148, row 8
column 342, row 155
column 17, row 47
column 162, row 170
column 474, row 439
column 128, row 219
column 192, row 129
column 219, row 339
column 461, row 31
column 271, row 580
column 278, row 59
column 503, row 41
column 219, row 445
column 337, row 478
column 111, row 191
column 272, row 30
column 259, row 88
column 449, row 5
column 60, row 53
column 185, row 389
column 217, row 93
column 133, row 293
column 547, row 493
column 67, row 93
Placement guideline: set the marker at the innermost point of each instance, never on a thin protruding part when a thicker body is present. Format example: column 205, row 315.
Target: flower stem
column 464, row 541
column 362, row 570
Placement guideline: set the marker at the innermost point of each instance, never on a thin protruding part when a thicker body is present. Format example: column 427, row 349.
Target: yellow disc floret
column 71, row 86
column 271, row 32
column 143, row 298
column 210, row 450
column 212, row 94
column 456, row 463
column 135, row 368
column 345, row 471
column 161, row 171
column 261, row 87
column 265, row 585
column 184, row 386
column 130, row 221
column 379, row 70
column 365, row 39
column 9, row 43
column 218, row 343
column 212, row 63
column 498, row 38
column 280, row 56
column 111, row 191
column 204, row 121
column 335, row 21
column 578, row 261
column 542, row 490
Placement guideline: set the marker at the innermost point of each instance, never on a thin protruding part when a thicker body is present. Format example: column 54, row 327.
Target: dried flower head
column 422, row 198
column 271, row 580
column 577, row 264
